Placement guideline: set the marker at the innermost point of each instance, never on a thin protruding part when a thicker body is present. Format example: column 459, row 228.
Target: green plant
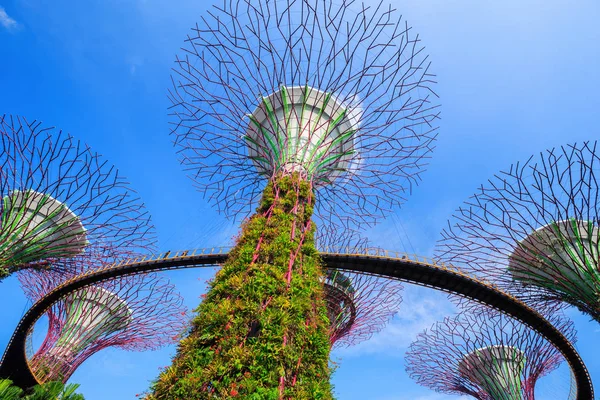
column 8, row 391
column 54, row 391
column 46, row 391
column 262, row 330
column 3, row 273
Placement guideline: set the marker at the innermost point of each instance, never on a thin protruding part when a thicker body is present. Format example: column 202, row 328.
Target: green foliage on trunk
column 3, row 273
column 262, row 330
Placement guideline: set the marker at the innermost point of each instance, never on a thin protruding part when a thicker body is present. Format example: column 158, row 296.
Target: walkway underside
column 381, row 263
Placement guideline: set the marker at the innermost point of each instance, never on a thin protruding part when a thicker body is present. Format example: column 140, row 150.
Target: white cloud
column 135, row 62
column 7, row 22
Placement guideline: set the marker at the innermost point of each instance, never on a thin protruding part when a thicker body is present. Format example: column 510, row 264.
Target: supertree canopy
column 533, row 230
column 58, row 197
column 484, row 354
column 139, row 312
column 315, row 104
column 358, row 305
column 337, row 91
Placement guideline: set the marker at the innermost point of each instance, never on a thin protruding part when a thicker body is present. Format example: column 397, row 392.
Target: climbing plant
column 262, row 330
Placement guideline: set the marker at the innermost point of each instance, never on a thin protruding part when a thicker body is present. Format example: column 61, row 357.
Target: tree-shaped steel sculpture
column 358, row 305
column 58, row 197
column 533, row 230
column 340, row 93
column 316, row 105
column 137, row 313
column 484, row 354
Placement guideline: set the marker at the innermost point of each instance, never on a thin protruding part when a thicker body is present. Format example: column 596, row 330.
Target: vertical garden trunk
column 262, row 330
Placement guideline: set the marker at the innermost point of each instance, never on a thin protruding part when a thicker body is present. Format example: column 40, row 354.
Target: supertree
column 58, row 196
column 136, row 313
column 533, row 230
column 358, row 305
column 484, row 354
column 314, row 105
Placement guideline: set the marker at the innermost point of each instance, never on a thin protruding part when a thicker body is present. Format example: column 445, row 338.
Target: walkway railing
column 375, row 261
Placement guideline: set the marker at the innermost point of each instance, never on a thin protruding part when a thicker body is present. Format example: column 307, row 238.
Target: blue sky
column 514, row 78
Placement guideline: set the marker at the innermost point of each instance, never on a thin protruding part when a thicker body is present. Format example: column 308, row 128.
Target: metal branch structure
column 301, row 109
column 339, row 92
column 136, row 313
column 58, row 197
column 533, row 230
column 359, row 305
column 484, row 354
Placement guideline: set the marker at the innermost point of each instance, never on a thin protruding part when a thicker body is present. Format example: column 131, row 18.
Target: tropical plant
column 47, row 391
column 8, row 391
